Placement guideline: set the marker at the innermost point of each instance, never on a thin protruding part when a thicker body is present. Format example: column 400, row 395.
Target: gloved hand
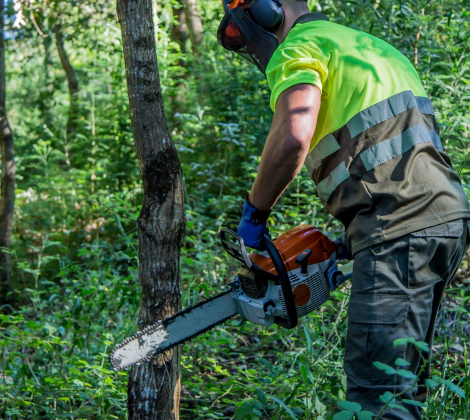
column 253, row 225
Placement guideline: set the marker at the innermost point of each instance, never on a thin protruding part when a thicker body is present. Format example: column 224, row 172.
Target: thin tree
column 72, row 82
column 153, row 386
column 7, row 197
column 194, row 22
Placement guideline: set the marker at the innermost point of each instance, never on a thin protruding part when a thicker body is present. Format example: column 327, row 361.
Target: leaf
column 348, row 405
column 33, row 325
column 401, row 362
column 243, row 410
column 343, row 415
column 304, row 373
column 406, row 374
column 309, row 338
column 415, row 403
column 281, row 403
column 365, row 415
column 387, row 397
column 454, row 388
column 398, row 407
column 430, row 383
column 261, row 396
column 320, row 408
column 257, row 412
column 422, row 345
column 386, row 368
column 402, row 341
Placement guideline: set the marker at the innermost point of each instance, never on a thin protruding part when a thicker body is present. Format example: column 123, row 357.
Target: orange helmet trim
column 234, row 4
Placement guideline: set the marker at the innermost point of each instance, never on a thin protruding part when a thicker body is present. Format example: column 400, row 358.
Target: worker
column 353, row 110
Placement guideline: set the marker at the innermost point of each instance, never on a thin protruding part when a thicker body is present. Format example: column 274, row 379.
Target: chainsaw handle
column 292, row 319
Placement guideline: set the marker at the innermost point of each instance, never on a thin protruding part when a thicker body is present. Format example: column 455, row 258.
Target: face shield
column 238, row 33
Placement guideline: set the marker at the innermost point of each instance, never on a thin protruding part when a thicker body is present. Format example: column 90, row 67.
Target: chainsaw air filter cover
column 310, row 291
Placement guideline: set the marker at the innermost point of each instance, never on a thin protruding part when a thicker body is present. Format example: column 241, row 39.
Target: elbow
column 297, row 144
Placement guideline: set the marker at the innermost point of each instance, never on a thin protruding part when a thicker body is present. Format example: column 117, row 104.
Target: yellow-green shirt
column 352, row 69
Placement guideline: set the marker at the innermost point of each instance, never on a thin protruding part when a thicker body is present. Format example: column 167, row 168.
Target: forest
column 74, row 185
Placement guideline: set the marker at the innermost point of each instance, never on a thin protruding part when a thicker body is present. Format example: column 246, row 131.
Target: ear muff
column 266, row 13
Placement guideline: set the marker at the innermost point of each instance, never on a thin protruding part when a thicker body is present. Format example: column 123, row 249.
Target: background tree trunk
column 152, row 386
column 7, row 198
column 196, row 33
column 179, row 31
column 72, row 82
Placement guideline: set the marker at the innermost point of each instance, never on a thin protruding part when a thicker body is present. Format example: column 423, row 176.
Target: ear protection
column 267, row 14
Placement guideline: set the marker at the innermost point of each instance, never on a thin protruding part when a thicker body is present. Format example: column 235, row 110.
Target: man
column 353, row 109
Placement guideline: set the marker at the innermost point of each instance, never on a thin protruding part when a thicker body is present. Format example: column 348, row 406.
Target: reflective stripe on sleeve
column 325, row 147
column 332, row 181
column 436, row 140
column 425, row 105
column 387, row 109
column 395, row 146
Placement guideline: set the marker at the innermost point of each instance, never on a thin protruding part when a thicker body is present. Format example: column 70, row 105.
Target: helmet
column 247, row 29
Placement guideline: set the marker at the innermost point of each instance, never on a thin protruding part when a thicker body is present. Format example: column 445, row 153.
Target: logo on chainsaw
column 302, row 294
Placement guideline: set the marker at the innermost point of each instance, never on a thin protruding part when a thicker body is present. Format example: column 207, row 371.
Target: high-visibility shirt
column 376, row 156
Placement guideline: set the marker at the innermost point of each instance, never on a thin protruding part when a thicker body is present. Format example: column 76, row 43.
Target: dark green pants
column 396, row 290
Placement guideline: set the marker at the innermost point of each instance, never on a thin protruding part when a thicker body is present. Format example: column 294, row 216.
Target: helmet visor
column 238, row 33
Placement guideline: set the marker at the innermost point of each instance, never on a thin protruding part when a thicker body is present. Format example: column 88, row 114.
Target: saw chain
column 159, row 329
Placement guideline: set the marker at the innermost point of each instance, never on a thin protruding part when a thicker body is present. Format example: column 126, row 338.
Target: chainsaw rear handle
column 292, row 320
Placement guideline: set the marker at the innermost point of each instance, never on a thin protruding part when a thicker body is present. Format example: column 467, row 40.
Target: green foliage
column 78, row 199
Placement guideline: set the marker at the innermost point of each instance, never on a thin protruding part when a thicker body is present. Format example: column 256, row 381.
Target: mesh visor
column 238, row 33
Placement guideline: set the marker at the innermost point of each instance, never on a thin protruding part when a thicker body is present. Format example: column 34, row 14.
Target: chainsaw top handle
column 292, row 319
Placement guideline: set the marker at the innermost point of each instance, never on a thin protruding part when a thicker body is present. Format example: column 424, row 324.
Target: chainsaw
column 290, row 279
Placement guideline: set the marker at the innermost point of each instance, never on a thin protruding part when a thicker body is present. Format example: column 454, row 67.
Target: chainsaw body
column 292, row 278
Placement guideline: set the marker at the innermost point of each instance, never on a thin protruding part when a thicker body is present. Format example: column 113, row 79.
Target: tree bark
column 72, row 82
column 196, row 33
column 7, row 197
column 151, row 389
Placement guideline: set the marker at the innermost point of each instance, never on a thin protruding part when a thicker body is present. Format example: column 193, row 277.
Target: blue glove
column 252, row 225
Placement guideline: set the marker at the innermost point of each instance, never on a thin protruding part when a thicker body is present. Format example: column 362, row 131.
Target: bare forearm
column 287, row 144
column 279, row 166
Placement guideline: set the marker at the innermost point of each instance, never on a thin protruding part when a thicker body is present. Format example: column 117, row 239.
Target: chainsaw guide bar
column 162, row 336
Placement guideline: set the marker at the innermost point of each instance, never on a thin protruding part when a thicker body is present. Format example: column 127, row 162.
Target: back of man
column 376, row 156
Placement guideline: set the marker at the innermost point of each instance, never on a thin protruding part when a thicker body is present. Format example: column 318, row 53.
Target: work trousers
column 396, row 292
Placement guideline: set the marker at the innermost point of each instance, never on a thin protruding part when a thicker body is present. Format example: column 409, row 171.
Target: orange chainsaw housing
column 291, row 243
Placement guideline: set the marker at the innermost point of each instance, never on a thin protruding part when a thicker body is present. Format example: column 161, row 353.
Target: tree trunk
column 72, row 82
column 7, row 197
column 152, row 392
column 179, row 32
column 196, row 33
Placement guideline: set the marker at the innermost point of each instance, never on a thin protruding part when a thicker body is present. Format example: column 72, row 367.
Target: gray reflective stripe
column 387, row 109
column 325, row 147
column 332, row 181
column 395, row 146
column 436, row 140
column 425, row 105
